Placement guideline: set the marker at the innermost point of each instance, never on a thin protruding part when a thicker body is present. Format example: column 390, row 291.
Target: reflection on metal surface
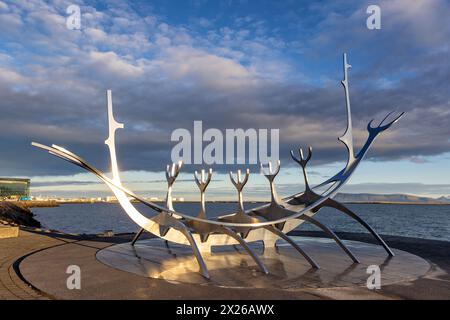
column 229, row 267
column 266, row 224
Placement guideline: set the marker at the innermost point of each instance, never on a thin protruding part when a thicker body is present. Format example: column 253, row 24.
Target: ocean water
column 420, row 221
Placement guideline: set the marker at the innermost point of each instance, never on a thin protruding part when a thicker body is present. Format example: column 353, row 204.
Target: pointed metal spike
column 384, row 119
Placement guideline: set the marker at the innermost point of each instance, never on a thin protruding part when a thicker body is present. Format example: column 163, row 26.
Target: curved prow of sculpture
column 347, row 138
column 137, row 217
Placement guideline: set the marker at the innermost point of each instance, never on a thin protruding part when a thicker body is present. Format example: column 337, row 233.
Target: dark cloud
column 53, row 87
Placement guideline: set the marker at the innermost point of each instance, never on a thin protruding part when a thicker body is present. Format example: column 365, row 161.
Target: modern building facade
column 14, row 188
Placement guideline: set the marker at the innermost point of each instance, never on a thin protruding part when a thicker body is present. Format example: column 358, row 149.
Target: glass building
column 14, row 188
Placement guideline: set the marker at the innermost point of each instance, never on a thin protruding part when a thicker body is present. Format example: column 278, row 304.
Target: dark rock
column 17, row 215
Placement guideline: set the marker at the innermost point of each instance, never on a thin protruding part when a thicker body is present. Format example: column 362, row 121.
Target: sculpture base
column 231, row 267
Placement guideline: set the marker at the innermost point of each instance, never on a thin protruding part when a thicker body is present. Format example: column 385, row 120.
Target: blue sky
column 231, row 64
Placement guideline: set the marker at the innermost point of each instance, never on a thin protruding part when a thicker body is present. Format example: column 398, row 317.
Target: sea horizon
column 391, row 219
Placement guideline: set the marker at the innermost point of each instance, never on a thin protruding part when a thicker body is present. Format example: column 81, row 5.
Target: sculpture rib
column 330, row 233
column 249, row 250
column 338, row 206
column 286, row 238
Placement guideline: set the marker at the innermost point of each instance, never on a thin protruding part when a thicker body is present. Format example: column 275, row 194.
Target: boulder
column 12, row 214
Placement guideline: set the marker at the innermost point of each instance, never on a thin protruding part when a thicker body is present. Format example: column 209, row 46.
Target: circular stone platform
column 232, row 267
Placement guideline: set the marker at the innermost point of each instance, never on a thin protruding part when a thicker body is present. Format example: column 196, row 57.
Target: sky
column 230, row 64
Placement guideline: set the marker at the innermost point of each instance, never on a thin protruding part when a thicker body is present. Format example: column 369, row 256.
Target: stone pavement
column 109, row 283
column 11, row 249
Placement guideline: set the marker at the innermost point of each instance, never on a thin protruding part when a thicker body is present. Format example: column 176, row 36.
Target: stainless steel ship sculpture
column 267, row 223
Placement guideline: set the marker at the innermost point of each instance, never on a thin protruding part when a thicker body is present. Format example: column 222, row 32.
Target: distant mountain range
column 388, row 198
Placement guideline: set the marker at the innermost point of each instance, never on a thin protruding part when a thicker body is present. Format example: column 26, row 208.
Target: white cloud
column 10, row 22
column 3, row 6
column 96, row 35
column 110, row 63
column 11, row 77
column 426, row 21
column 5, row 58
column 187, row 63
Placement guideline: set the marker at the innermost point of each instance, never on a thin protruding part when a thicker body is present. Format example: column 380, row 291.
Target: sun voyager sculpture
column 267, row 223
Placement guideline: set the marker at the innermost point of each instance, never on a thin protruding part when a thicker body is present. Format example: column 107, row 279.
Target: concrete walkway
column 102, row 282
column 11, row 249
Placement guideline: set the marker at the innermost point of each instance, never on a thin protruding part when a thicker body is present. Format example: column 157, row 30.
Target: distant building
column 111, row 199
column 14, row 188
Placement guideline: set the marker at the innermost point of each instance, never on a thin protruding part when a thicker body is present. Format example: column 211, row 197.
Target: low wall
column 8, row 232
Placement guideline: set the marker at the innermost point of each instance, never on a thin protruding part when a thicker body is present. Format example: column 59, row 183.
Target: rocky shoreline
column 15, row 215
